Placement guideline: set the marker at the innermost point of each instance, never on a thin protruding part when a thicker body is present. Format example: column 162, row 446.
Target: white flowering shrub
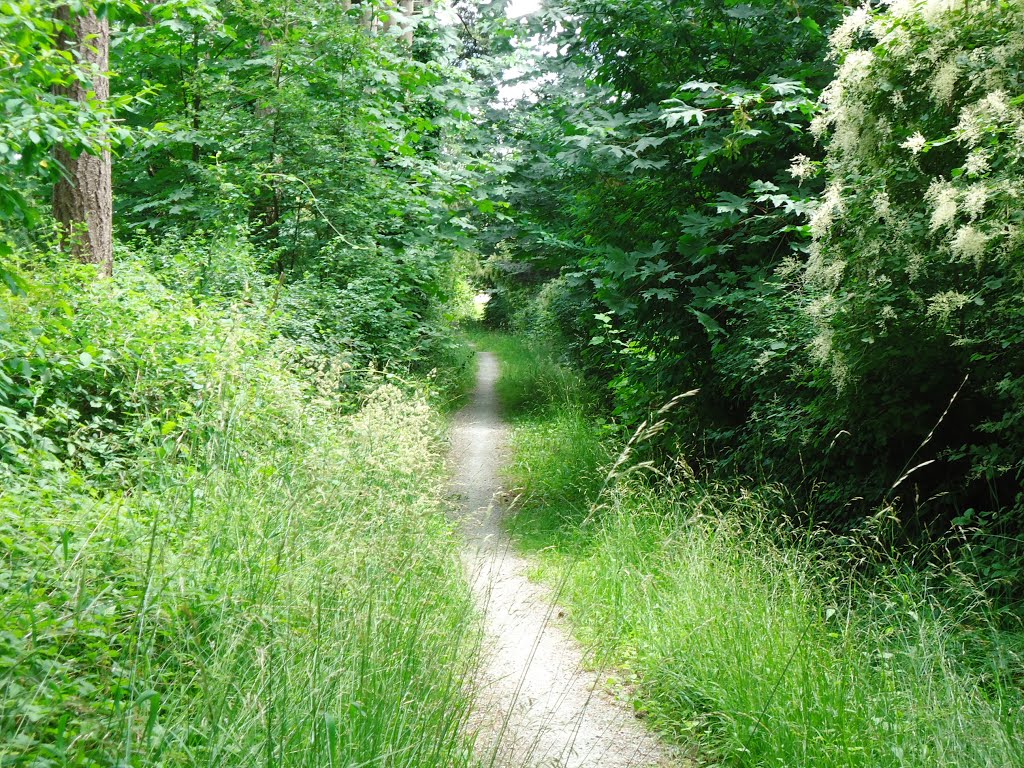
column 916, row 270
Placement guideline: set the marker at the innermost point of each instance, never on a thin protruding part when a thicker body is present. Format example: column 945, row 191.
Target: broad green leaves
column 655, row 171
column 676, row 112
column 34, row 117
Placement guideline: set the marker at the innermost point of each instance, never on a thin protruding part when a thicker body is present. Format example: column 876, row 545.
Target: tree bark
column 272, row 214
column 83, row 199
column 408, row 9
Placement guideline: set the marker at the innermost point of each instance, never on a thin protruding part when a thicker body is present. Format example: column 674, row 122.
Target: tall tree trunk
column 197, row 105
column 83, row 199
column 272, row 215
column 408, row 9
column 197, row 98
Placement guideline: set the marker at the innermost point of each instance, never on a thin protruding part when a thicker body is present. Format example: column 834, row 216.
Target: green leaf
column 745, row 11
column 649, row 141
column 14, row 282
column 726, row 202
column 699, row 85
column 709, row 323
column 683, row 113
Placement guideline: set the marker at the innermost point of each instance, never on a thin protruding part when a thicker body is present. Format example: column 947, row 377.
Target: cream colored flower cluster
column 924, row 127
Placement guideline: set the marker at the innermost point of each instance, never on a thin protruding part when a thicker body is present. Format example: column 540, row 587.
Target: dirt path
column 538, row 706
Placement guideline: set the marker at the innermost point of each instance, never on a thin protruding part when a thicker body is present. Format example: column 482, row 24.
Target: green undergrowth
column 204, row 560
column 756, row 646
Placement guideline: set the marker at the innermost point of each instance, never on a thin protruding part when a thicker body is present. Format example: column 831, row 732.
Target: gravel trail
column 538, row 707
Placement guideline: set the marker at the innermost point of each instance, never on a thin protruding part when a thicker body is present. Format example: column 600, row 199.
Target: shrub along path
column 538, row 704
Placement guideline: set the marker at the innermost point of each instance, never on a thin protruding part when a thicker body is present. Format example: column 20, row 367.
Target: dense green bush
column 853, row 322
column 914, row 282
column 665, row 196
column 498, row 310
column 95, row 371
column 361, row 309
column 552, row 317
column 204, row 559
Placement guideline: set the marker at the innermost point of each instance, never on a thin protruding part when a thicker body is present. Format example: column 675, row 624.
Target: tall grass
column 278, row 587
column 762, row 650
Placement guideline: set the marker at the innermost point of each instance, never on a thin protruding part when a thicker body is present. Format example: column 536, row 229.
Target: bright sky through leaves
column 517, row 8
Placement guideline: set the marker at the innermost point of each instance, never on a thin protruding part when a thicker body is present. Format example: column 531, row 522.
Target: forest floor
column 540, row 703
